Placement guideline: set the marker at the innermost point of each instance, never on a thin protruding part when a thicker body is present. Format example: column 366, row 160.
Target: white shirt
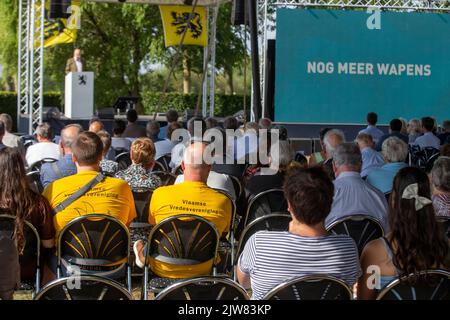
column 428, row 139
column 79, row 66
column 164, row 147
column 42, row 150
column 217, row 181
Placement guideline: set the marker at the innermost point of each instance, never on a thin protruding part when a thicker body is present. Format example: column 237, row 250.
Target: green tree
column 8, row 40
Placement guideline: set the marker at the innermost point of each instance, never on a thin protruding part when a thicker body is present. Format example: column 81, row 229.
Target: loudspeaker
column 58, row 9
column 239, row 14
column 105, row 113
column 269, row 82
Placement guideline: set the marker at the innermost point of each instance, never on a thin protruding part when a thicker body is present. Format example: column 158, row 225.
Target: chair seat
column 157, row 284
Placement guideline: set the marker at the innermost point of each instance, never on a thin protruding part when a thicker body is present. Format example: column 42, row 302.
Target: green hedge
column 8, row 103
column 224, row 104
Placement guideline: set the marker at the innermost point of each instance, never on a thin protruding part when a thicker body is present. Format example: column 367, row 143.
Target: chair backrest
column 264, row 203
column 83, row 288
column 205, row 288
column 435, row 286
column 445, row 222
column 93, row 241
column 37, row 165
column 118, row 151
column 142, row 204
column 178, row 170
column 34, row 179
column 164, row 162
column 313, row 287
column 237, row 186
column 183, row 240
column 167, row 178
column 159, row 167
column 123, row 160
column 32, row 248
column 361, row 228
column 270, row 222
column 420, row 157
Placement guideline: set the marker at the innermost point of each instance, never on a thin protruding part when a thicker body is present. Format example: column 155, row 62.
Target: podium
column 79, row 95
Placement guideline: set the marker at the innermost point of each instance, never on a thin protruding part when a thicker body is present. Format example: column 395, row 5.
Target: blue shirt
column 162, row 132
column 393, row 134
column 371, row 159
column 428, row 139
column 383, row 177
column 374, row 132
column 353, row 195
column 65, row 165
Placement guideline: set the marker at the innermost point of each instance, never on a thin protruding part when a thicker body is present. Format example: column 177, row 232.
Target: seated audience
column 372, row 130
column 444, row 137
column 19, row 200
column 272, row 257
column 107, row 167
column 260, row 182
column 95, row 125
column 9, row 139
column 404, row 129
column 110, row 196
column 353, row 195
column 440, row 179
column 64, row 166
column 231, row 123
column 319, row 157
column 133, row 129
column 45, row 148
column 331, row 140
column 224, row 161
column 118, row 142
column 248, row 143
column 211, row 123
column 265, row 123
column 414, row 130
column 165, row 146
column 395, row 127
column 171, row 117
column 138, row 174
column 153, row 129
column 371, row 159
column 415, row 243
column 428, row 139
column 395, row 152
column 191, row 196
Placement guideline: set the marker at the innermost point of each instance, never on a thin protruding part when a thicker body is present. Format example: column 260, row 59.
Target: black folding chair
column 204, row 288
column 313, row 287
column 179, row 240
column 270, row 222
column 32, row 250
column 167, row 178
column 34, row 180
column 83, row 287
column 37, row 165
column 177, row 171
column 237, row 186
column 361, row 228
column 98, row 245
column 427, row 285
column 264, row 203
column 162, row 163
column 142, row 204
column 123, row 160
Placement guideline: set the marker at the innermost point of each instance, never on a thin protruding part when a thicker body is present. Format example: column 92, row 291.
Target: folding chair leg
column 145, row 283
column 38, row 280
column 129, row 278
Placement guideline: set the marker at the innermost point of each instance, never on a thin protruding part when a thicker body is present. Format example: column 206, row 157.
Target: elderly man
column 193, row 195
column 76, row 63
column 440, row 179
column 45, row 148
column 371, row 159
column 65, row 166
column 331, row 140
column 395, row 152
column 372, row 130
column 352, row 195
column 9, row 139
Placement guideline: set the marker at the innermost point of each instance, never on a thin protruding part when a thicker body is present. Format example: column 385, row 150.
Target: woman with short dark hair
column 415, row 242
column 272, row 257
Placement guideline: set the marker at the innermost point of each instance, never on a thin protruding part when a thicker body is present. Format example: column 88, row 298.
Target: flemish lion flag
column 57, row 32
column 175, row 21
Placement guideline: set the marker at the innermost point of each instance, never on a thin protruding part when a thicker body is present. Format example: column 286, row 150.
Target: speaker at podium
column 79, row 95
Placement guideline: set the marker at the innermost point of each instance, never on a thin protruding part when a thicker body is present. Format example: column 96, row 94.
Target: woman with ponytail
column 19, row 200
column 415, row 242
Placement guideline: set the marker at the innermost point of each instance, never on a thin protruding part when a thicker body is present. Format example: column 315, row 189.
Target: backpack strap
column 83, row 190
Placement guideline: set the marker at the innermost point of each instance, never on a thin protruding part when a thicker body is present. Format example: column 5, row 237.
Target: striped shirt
column 273, row 257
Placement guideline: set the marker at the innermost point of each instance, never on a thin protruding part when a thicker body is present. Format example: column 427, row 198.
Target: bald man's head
column 96, row 126
column 193, row 164
column 77, row 54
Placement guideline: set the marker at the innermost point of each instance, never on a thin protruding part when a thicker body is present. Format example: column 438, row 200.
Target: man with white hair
column 45, row 148
column 193, row 196
column 353, row 195
column 331, row 140
column 395, row 152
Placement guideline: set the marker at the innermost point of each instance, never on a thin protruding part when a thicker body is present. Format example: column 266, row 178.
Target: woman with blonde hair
column 138, row 174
